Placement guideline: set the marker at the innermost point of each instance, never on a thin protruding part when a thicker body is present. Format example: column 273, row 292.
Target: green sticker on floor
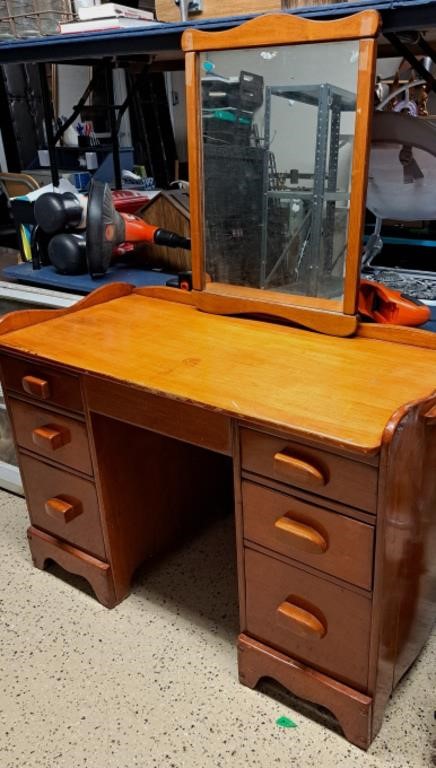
column 285, row 722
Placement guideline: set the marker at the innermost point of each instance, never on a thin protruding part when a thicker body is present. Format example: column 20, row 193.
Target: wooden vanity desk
column 128, row 410
column 133, row 409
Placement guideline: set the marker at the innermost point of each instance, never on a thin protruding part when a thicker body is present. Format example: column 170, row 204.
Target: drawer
column 42, row 383
column 51, row 435
column 309, row 618
column 63, row 504
column 312, row 469
column 331, row 542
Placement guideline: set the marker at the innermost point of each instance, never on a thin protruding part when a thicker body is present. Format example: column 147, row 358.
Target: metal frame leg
column 332, row 181
column 322, row 135
column 265, row 199
column 114, row 126
column 48, row 120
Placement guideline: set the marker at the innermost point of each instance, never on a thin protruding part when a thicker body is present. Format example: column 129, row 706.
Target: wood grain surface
column 359, row 172
column 278, row 306
column 59, row 390
column 348, row 552
column 195, row 161
column 167, row 10
column 352, row 709
column 346, row 616
column 46, row 548
column 45, row 484
column 37, row 430
column 343, row 391
column 282, row 28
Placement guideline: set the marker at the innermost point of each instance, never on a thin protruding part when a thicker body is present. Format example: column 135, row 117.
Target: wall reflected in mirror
column 277, row 129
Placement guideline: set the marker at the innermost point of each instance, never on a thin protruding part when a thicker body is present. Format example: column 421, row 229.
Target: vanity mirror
column 278, row 124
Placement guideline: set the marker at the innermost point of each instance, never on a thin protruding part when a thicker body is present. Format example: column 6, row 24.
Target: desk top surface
column 341, row 391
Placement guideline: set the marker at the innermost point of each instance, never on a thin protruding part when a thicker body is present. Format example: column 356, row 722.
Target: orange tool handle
column 138, row 230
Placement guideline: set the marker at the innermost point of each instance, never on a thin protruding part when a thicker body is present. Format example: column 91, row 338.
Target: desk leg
column 99, row 574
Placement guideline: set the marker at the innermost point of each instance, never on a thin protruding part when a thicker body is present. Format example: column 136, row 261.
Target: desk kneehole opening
column 302, row 619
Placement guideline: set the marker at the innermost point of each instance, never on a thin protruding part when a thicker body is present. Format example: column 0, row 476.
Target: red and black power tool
column 108, row 233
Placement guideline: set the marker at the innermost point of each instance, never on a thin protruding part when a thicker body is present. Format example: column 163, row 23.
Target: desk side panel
column 405, row 565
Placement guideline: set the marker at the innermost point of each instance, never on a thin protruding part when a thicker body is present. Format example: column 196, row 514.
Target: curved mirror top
column 277, row 142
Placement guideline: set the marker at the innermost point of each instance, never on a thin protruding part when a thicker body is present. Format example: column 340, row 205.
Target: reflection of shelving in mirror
column 277, row 150
column 234, row 179
column 229, row 105
column 311, row 259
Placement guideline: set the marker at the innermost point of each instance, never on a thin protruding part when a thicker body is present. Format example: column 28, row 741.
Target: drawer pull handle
column 61, row 509
column 303, row 536
column 302, row 622
column 36, row 387
column 298, row 469
column 50, row 437
column 430, row 417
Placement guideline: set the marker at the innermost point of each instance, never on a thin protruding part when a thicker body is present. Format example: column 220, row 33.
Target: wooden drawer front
column 51, row 435
column 42, row 383
column 63, row 504
column 312, row 620
column 326, row 540
column 183, row 421
column 312, row 469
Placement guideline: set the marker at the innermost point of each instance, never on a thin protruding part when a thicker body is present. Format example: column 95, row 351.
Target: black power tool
column 108, row 233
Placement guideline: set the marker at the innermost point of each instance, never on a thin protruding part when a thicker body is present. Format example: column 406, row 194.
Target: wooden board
column 167, row 10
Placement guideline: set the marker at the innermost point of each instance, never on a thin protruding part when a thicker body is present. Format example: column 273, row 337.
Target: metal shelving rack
column 164, row 39
column 330, row 102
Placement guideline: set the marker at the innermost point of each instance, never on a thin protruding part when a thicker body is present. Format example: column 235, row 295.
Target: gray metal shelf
column 330, row 101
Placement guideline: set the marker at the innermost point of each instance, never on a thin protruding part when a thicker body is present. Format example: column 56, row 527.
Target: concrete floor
column 153, row 683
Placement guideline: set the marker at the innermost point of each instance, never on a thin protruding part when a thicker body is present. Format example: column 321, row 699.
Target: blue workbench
column 47, row 277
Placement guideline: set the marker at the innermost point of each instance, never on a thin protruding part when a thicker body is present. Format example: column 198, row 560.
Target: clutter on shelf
column 107, row 16
column 399, row 251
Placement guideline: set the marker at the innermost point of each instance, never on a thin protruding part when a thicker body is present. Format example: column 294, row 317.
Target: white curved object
column 392, row 192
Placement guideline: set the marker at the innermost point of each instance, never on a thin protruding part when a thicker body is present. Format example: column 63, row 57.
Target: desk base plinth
column 352, row 709
column 45, row 547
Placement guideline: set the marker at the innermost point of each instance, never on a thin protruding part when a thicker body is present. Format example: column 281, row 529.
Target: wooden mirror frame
column 284, row 29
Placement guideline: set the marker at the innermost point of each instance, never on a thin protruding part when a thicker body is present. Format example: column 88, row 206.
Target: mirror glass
column 277, row 129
